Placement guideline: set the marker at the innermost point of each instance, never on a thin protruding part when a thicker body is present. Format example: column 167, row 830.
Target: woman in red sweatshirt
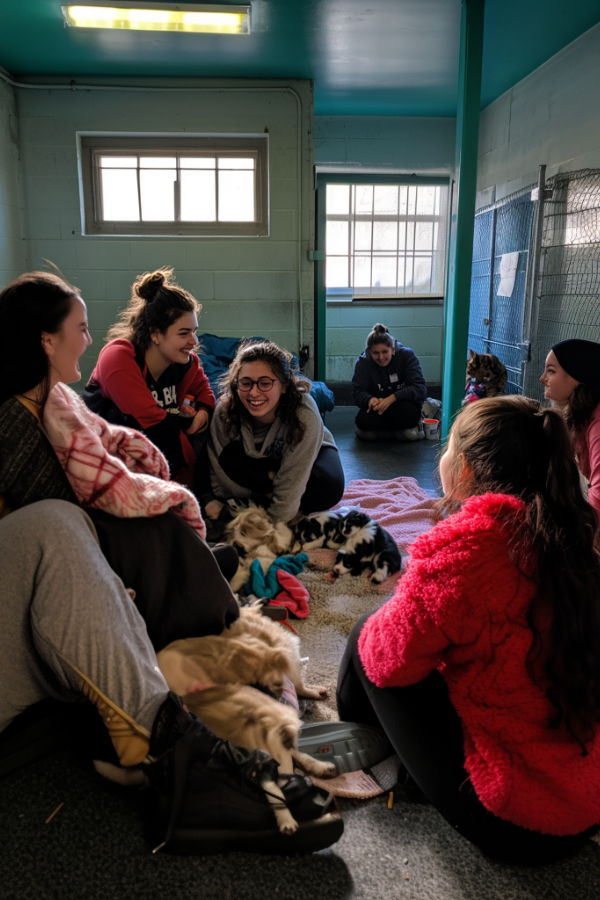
column 484, row 667
column 149, row 378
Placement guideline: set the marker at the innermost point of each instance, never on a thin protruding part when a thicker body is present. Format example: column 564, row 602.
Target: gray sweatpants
column 66, row 618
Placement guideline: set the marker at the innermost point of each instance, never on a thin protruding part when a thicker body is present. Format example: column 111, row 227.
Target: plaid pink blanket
column 113, row 468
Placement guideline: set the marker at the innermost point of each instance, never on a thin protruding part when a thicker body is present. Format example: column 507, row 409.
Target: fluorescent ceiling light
column 214, row 18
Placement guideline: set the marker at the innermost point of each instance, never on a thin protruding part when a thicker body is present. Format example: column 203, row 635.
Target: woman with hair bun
column 149, row 378
column 571, row 379
column 389, row 387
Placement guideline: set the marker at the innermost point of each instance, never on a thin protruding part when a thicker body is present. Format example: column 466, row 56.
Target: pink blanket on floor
column 113, row 468
column 399, row 505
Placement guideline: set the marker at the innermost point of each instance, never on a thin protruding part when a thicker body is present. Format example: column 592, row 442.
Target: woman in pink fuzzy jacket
column 484, row 667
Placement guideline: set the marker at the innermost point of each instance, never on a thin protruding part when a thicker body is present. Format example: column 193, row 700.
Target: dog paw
column 314, row 693
column 289, row 827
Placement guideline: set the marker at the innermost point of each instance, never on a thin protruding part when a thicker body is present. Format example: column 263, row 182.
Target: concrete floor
column 382, row 460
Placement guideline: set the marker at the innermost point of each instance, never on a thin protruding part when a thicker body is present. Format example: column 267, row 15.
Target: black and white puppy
column 367, row 546
column 321, row 530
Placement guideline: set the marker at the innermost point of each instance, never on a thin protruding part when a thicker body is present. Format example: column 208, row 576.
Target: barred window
column 386, row 241
column 175, row 186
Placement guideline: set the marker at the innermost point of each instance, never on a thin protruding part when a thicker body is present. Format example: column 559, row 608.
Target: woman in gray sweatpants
column 69, row 628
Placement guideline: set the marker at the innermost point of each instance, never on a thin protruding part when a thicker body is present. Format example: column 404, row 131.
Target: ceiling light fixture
column 213, row 18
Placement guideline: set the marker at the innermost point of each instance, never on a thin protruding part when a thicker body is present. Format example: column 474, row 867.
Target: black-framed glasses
column 264, row 384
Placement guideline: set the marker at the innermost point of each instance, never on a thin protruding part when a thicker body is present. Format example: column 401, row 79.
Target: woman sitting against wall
column 267, row 440
column 571, row 379
column 389, row 388
column 149, row 378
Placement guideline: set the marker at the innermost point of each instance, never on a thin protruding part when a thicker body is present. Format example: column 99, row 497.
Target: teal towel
column 268, row 586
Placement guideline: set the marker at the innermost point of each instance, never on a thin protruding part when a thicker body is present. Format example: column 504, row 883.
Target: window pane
column 410, row 236
column 234, row 162
column 158, row 162
column 423, row 236
column 119, row 195
column 236, row 197
column 402, row 274
column 158, row 196
column 338, row 199
column 412, row 200
column 198, row 199
column 118, row 162
column 362, row 272
column 363, row 198
column 336, row 240
column 403, row 199
column 384, row 271
column 422, row 279
column 336, row 271
column 197, row 162
column 386, row 199
column 362, row 235
column 385, row 236
column 425, row 201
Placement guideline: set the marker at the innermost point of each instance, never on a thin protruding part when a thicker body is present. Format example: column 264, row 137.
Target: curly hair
column 156, row 303
column 510, row 445
column 33, row 303
column 281, row 364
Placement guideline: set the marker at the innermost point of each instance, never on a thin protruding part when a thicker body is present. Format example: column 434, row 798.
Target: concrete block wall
column 550, row 117
column 386, row 145
column 12, row 247
column 246, row 285
column 417, row 327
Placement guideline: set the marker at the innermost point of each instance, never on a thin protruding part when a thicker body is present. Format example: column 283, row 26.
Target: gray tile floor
column 382, row 460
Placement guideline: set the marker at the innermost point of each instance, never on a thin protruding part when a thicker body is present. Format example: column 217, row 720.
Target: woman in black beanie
column 571, row 379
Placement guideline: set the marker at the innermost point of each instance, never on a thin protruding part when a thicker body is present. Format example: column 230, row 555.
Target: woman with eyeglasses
column 148, row 377
column 267, row 440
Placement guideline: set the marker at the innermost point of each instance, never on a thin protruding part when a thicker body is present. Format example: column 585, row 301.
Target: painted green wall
column 12, row 247
column 247, row 286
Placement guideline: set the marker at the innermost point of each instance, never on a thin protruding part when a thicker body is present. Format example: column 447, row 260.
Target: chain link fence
column 566, row 296
column 496, row 320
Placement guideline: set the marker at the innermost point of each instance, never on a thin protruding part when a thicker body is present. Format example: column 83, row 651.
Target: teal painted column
column 460, row 254
column 320, row 368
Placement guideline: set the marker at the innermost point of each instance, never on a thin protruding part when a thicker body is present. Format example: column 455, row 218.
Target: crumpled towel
column 111, row 467
column 294, row 595
column 262, row 585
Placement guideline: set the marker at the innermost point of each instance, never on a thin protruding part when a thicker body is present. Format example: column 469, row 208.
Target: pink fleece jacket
column 587, row 449
column 461, row 608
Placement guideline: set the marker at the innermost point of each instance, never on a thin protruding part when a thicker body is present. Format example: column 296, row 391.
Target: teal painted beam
column 460, row 255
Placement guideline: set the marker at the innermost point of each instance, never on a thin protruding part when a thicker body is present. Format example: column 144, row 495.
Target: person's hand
column 213, row 508
column 385, row 403
column 200, row 422
column 373, row 404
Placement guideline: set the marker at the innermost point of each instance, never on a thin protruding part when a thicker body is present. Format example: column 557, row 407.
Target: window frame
column 354, row 295
column 92, row 146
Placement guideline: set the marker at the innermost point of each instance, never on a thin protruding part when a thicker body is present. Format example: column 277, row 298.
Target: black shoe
column 207, row 795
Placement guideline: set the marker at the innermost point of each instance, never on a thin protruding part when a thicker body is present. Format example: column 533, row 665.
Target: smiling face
column 381, row 354
column 68, row 344
column 178, row 341
column 262, row 405
column 558, row 385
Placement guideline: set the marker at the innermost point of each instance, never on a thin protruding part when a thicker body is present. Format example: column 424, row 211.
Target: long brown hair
column 580, row 406
column 512, row 446
column 32, row 304
column 156, row 303
column 281, row 364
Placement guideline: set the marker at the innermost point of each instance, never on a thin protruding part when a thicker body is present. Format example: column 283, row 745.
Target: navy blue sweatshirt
column 403, row 377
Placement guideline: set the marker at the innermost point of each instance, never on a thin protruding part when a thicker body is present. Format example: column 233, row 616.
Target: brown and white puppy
column 255, row 536
column 252, row 625
column 251, row 719
column 192, row 664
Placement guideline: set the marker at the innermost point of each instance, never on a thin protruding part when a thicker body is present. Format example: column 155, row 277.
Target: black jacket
column 403, row 377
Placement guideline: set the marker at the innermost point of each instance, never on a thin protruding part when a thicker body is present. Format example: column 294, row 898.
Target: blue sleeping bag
column 216, row 355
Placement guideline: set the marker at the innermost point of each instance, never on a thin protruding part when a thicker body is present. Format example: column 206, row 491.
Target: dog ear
column 279, row 659
column 288, row 735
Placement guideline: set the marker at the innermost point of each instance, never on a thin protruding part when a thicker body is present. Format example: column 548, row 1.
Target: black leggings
column 401, row 414
column 426, row 733
column 180, row 589
column 325, row 487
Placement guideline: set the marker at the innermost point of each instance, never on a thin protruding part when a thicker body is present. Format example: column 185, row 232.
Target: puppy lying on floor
column 213, row 674
column 255, row 536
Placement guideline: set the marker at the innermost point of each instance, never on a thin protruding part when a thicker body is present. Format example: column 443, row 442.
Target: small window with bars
column 172, row 187
column 386, row 241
